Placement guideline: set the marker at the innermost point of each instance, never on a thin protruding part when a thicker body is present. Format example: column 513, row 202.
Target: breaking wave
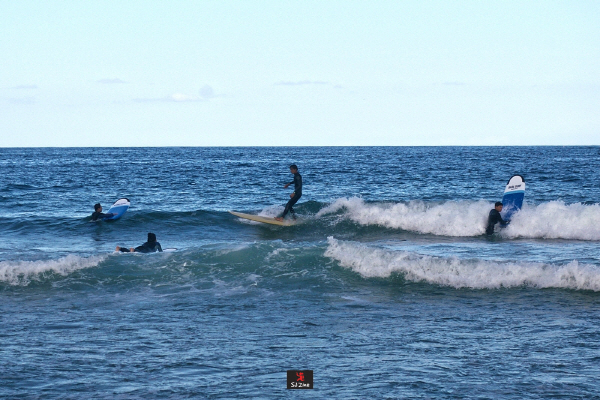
column 549, row 220
column 461, row 273
column 23, row 272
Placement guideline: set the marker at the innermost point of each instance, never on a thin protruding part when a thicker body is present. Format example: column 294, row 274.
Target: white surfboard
column 266, row 220
column 119, row 208
column 513, row 196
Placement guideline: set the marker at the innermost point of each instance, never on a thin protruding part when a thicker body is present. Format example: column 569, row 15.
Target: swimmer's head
column 97, row 207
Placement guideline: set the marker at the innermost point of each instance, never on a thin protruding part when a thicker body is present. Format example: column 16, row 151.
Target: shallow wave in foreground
column 373, row 262
column 23, row 272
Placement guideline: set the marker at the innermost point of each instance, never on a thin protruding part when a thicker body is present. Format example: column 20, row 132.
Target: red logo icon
column 300, row 379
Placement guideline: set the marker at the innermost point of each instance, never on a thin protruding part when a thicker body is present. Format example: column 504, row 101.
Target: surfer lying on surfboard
column 295, row 196
column 151, row 246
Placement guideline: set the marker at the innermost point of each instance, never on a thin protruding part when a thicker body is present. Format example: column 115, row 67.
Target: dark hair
column 151, row 237
column 97, row 206
column 294, row 166
column 498, row 203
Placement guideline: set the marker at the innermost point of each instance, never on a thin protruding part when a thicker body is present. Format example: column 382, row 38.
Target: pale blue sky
column 199, row 73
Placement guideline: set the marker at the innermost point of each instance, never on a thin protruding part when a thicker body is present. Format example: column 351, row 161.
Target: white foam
column 461, row 273
column 23, row 272
column 452, row 218
column 271, row 211
column 552, row 220
column 556, row 220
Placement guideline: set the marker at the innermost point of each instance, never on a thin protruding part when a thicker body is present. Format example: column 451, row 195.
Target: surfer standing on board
column 494, row 218
column 294, row 197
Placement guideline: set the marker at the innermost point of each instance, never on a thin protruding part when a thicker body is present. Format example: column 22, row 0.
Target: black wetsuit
column 100, row 215
column 145, row 248
column 297, row 194
column 493, row 219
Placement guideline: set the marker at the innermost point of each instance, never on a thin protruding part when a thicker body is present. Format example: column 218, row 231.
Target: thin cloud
column 183, row 97
column 110, row 81
column 205, row 93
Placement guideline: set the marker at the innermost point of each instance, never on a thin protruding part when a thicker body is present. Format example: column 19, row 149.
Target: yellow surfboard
column 266, row 220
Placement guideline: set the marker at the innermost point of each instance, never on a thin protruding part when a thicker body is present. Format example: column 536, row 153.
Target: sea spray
column 556, row 220
column 452, row 218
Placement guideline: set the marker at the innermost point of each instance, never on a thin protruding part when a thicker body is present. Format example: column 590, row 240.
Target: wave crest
column 23, row 272
column 452, row 218
column 556, row 220
column 549, row 220
column 459, row 273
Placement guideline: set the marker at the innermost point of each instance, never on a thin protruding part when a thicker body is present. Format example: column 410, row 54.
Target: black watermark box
column 300, row 379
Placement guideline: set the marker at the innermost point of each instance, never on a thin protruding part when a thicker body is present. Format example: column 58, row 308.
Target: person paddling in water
column 295, row 196
column 494, row 218
column 151, row 246
column 98, row 214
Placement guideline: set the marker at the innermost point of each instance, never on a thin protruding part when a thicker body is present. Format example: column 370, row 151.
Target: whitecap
column 461, row 273
column 548, row 220
column 23, row 272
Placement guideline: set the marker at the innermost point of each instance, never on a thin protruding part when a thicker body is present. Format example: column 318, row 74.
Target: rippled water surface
column 386, row 288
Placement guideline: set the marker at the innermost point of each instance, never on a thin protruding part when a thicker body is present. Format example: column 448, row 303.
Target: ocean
column 387, row 287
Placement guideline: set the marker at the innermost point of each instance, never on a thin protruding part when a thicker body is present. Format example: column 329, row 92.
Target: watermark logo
column 300, row 379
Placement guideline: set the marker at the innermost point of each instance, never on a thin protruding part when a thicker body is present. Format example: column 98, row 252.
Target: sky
column 299, row 73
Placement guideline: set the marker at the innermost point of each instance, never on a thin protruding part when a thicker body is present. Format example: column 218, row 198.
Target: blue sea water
column 386, row 288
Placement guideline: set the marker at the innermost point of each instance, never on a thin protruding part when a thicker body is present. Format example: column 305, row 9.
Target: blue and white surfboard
column 119, row 208
column 513, row 196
